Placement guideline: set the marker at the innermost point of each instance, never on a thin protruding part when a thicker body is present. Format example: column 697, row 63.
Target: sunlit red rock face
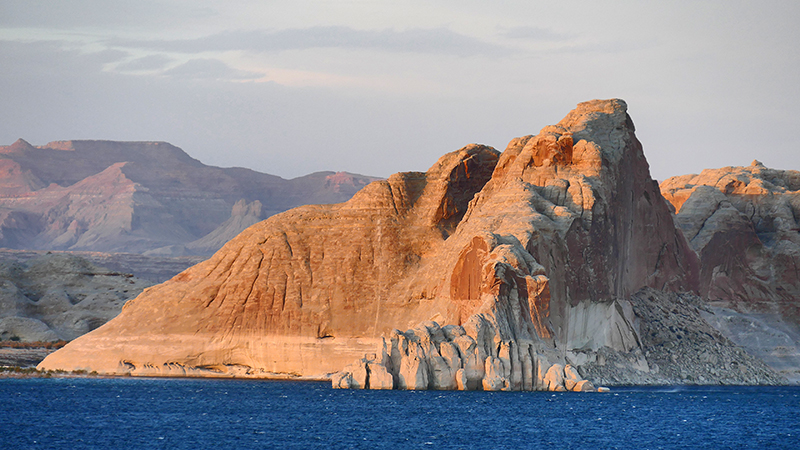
column 528, row 255
column 743, row 222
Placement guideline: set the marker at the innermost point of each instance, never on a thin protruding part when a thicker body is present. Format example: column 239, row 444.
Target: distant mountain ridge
column 137, row 197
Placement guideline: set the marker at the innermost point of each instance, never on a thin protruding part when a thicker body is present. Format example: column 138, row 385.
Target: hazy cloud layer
column 205, row 68
column 98, row 13
column 25, row 59
column 534, row 34
column 434, row 41
column 145, row 63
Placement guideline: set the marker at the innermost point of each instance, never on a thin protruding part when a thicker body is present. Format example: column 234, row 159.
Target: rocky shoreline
column 676, row 345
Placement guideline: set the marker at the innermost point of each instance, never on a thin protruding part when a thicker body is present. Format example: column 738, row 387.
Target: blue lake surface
column 132, row 413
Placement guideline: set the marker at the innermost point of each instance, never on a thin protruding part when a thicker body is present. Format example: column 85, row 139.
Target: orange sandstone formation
column 501, row 267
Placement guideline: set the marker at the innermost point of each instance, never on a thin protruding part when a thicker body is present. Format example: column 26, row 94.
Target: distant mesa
column 140, row 197
column 742, row 222
column 555, row 262
column 20, row 145
column 243, row 215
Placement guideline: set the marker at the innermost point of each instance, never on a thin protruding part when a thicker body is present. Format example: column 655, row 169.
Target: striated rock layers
column 153, row 269
column 141, row 196
column 743, row 223
column 502, row 267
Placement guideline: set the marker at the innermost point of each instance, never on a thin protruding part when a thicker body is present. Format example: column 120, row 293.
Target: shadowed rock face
column 742, row 221
column 528, row 253
column 579, row 200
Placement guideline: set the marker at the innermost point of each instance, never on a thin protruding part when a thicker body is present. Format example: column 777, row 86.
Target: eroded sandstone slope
column 529, row 258
column 300, row 293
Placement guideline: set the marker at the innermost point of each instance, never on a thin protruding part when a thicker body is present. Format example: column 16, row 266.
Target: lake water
column 133, row 413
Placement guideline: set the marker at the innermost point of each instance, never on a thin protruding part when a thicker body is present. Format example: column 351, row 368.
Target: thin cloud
column 609, row 47
column 534, row 34
column 210, row 69
column 22, row 58
column 431, row 41
column 107, row 56
column 146, row 63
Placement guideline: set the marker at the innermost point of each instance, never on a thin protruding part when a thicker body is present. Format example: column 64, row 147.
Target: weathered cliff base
column 677, row 346
column 674, row 345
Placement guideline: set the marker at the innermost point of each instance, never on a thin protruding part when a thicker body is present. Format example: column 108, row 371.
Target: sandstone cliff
column 138, row 196
column 501, row 267
column 742, row 221
column 303, row 292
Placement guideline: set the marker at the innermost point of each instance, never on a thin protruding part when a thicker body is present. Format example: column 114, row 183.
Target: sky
column 378, row 87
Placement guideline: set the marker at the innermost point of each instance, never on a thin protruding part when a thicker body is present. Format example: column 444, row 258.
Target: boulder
column 413, row 374
column 443, row 377
column 342, row 380
column 494, row 380
column 379, row 377
column 462, row 383
column 358, row 375
column 571, row 377
column 554, row 378
column 528, row 375
column 583, row 386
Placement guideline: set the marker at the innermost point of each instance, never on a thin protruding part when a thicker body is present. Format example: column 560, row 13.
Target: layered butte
column 499, row 265
column 141, row 197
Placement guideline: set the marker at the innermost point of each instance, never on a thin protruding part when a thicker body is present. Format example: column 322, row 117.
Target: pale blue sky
column 377, row 87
